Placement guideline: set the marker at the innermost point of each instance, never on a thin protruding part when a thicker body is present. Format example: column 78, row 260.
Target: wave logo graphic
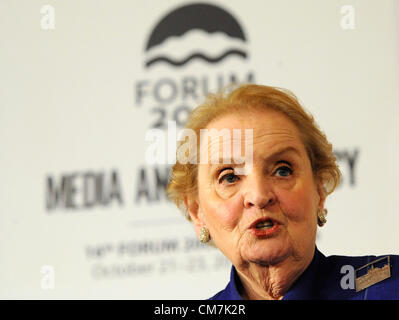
column 195, row 32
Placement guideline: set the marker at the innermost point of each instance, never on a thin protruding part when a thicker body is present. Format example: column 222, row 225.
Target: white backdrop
column 82, row 215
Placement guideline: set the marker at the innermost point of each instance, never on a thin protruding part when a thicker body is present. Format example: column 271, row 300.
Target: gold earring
column 204, row 235
column 321, row 217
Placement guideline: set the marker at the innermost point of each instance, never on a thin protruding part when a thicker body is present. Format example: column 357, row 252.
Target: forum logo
column 191, row 51
column 182, row 35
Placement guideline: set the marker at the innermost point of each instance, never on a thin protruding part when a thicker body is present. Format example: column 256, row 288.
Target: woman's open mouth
column 264, row 227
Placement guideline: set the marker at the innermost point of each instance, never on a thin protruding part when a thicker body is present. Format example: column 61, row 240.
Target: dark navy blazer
column 322, row 280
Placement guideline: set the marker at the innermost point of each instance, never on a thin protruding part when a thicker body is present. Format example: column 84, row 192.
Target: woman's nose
column 259, row 193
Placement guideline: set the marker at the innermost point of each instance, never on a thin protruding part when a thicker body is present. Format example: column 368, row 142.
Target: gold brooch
column 372, row 273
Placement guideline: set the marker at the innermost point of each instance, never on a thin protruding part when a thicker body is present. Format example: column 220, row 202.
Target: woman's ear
column 194, row 212
column 322, row 194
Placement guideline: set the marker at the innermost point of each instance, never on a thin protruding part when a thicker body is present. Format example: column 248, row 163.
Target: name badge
column 372, row 273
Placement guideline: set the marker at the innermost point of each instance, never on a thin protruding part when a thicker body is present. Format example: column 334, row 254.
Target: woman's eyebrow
column 279, row 153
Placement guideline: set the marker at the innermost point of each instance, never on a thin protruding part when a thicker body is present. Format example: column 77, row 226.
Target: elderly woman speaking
column 264, row 218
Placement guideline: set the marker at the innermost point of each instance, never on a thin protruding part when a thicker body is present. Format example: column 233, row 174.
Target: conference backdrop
column 84, row 213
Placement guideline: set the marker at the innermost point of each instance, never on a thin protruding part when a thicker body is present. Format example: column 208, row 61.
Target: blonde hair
column 183, row 178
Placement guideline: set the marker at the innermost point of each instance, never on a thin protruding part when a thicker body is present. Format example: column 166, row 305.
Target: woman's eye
column 229, row 178
column 283, row 171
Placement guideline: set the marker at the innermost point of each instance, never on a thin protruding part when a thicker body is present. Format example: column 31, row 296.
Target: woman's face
column 269, row 214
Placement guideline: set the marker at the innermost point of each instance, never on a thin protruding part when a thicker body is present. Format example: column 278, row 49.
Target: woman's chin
column 267, row 252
